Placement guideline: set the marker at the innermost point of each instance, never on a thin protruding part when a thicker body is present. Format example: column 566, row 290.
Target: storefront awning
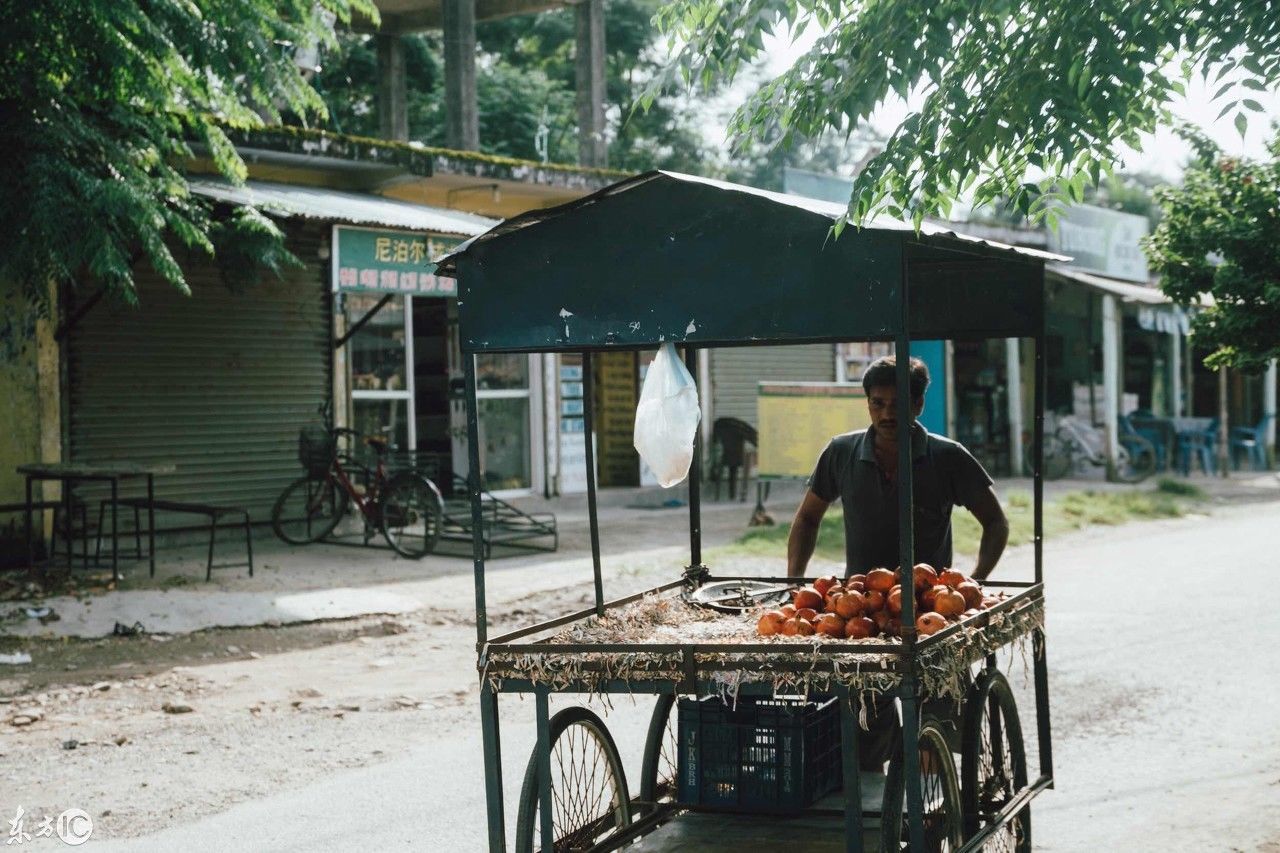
column 1125, row 290
column 315, row 203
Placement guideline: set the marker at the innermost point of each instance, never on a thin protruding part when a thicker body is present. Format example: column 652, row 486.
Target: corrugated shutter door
column 217, row 383
column 736, row 372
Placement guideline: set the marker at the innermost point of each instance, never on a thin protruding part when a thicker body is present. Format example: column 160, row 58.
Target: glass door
column 382, row 381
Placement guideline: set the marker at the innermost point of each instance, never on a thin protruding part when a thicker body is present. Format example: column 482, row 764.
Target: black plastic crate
column 774, row 755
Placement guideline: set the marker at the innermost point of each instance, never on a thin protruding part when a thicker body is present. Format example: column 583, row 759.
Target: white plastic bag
column 667, row 418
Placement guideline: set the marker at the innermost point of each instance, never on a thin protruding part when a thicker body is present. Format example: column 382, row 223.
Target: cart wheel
column 308, row 510
column 993, row 763
column 943, row 827
column 411, row 514
column 658, row 773
column 588, row 788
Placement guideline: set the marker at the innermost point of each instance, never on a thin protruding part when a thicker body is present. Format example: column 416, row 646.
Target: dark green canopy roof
column 669, row 257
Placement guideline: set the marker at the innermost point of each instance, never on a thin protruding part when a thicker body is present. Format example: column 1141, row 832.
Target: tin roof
column 315, row 203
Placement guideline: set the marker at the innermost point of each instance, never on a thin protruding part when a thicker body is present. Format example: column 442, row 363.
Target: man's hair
column 883, row 371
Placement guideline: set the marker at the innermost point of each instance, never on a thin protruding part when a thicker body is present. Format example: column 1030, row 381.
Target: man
column 861, row 469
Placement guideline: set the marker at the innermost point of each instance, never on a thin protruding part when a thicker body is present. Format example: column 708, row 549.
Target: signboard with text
column 1102, row 241
column 368, row 260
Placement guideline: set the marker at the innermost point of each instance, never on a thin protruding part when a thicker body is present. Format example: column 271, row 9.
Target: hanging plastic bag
column 667, row 418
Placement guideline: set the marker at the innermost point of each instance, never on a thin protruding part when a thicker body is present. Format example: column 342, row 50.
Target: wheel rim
column 410, row 517
column 940, row 797
column 589, row 800
column 996, row 779
column 658, row 782
column 308, row 510
column 995, row 763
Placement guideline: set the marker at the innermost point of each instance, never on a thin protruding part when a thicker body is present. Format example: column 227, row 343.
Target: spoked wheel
column 1059, row 458
column 308, row 510
column 943, row 827
column 993, row 763
column 1135, row 459
column 658, row 773
column 411, row 512
column 588, row 789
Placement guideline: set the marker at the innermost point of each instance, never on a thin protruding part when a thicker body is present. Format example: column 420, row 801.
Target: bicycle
column 406, row 507
column 1074, row 444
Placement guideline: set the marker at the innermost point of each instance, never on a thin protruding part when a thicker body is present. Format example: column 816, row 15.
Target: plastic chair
column 1252, row 442
column 729, row 440
column 1156, row 437
column 1198, row 445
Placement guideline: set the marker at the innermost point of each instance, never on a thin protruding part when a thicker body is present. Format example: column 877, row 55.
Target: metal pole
column 1013, row 370
column 115, row 528
column 473, row 487
column 849, row 765
column 151, row 523
column 695, row 476
column 906, row 562
column 1269, row 411
column 1037, row 474
column 1111, row 385
column 547, row 817
column 1041, row 664
column 492, row 768
column 1224, row 461
column 588, row 423
column 31, row 552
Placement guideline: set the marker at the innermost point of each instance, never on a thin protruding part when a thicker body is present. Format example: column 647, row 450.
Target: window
column 503, row 398
column 381, row 352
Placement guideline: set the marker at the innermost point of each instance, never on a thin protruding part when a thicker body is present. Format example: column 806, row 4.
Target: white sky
column 1161, row 153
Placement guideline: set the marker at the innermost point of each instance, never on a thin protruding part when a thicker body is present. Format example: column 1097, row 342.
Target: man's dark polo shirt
column 945, row 474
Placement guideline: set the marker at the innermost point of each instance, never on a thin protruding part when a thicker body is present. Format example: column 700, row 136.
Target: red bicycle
column 405, row 506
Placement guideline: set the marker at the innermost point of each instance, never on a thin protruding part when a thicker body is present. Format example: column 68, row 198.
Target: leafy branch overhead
column 1220, row 236
column 1028, row 100
column 100, row 100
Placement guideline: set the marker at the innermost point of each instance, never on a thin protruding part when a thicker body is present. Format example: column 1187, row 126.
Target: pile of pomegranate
column 870, row 605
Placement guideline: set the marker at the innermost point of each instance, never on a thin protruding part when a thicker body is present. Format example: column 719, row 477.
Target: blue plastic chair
column 1251, row 442
column 1198, row 445
column 1155, row 436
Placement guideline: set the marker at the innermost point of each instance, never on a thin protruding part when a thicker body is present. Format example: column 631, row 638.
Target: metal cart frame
column 669, row 247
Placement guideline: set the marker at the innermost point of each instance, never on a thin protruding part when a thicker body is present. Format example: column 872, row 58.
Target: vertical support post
column 695, row 475
column 906, row 560
column 588, row 424
column 1224, row 426
column 461, row 118
column 492, row 767
column 473, row 490
column 115, row 527
column 31, row 548
column 546, row 822
column 151, row 524
column 1037, row 450
column 393, row 112
column 1013, row 369
column 1176, row 409
column 849, row 765
column 1044, row 731
column 588, row 18
column 1110, row 378
column 1269, row 411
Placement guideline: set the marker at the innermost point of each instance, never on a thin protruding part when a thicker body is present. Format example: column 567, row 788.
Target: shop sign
column 368, row 260
column 1102, row 241
column 1169, row 321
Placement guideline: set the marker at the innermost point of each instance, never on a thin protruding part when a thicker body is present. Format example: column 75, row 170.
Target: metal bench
column 213, row 513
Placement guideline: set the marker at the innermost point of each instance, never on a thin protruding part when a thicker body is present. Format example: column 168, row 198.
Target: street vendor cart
column 663, row 257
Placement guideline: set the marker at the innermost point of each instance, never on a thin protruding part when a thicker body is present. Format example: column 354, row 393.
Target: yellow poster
column 797, row 419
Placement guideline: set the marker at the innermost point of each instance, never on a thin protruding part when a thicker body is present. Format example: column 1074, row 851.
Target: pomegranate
column 928, row 598
column 855, row 586
column 949, row 603
column 893, row 602
column 804, row 628
column 930, row 623
column 806, row 597
column 770, row 623
column 824, row 585
column 788, row 610
column 850, row 604
column 829, row 625
column 860, row 628
column 808, row 614
column 972, row 593
column 925, row 577
column 790, row 627
column 872, row 601
column 880, row 580
column 952, row 578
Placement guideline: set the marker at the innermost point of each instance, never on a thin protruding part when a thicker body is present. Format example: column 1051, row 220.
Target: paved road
column 1164, row 674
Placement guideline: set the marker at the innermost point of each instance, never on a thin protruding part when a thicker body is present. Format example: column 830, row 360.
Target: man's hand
column 995, row 531
column 804, row 533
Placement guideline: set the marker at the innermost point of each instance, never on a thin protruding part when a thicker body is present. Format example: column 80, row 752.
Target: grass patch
column 1180, row 488
column 1072, row 511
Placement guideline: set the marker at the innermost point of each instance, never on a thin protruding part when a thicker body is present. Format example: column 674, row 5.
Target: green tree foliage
column 1220, row 236
column 525, row 78
column 1009, row 88
column 99, row 103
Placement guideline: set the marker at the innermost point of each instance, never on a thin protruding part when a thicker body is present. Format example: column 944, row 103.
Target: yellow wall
column 20, row 391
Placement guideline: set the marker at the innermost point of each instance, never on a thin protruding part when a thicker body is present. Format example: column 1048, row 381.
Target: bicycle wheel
column 658, row 772
column 940, row 790
column 993, row 763
column 411, row 511
column 1135, row 459
column 589, row 799
column 308, row 510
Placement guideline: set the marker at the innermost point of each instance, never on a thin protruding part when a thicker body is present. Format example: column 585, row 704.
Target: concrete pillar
column 461, row 118
column 1269, row 409
column 1224, row 425
column 1110, row 376
column 589, row 69
column 1176, row 407
column 1013, row 382
column 393, row 112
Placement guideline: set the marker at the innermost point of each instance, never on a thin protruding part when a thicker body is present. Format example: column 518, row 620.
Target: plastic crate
column 770, row 755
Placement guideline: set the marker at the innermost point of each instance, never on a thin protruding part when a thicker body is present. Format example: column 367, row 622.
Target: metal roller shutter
column 217, row 383
column 736, row 372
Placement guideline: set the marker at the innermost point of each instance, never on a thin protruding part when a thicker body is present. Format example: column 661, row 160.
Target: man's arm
column 804, row 533
column 995, row 531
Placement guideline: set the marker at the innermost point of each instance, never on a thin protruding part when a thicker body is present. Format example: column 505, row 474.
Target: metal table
column 112, row 473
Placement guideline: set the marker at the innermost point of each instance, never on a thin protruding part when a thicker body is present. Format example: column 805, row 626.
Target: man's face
column 882, row 403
